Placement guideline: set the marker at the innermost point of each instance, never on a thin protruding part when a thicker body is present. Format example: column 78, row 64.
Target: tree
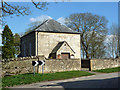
column 10, row 9
column 8, row 50
column 118, row 41
column 32, row 26
column 93, row 32
column 112, row 42
column 17, row 44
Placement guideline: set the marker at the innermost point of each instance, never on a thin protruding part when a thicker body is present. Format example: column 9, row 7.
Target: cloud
column 1, row 31
column 45, row 17
column 61, row 20
column 109, row 38
column 32, row 19
column 40, row 18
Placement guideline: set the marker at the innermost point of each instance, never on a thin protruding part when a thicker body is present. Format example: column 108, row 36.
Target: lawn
column 108, row 70
column 29, row 78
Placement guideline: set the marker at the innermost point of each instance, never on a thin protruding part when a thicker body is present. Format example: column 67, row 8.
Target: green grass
column 108, row 70
column 29, row 78
column 6, row 89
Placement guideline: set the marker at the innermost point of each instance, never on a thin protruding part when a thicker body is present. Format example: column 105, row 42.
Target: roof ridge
column 71, row 30
column 40, row 24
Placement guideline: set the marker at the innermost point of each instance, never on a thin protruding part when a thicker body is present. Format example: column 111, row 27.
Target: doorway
column 65, row 55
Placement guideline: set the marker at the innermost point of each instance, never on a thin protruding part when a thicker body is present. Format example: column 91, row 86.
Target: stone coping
column 21, row 58
column 64, row 59
column 107, row 59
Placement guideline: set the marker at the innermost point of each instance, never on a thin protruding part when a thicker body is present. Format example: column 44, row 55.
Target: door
column 65, row 55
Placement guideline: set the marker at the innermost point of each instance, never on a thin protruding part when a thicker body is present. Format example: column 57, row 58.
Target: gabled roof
column 57, row 47
column 51, row 25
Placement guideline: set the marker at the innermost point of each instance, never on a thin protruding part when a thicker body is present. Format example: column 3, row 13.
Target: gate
column 85, row 64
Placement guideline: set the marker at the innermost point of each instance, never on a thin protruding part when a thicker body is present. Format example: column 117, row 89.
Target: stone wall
column 54, row 65
column 97, row 64
column 24, row 65
column 19, row 65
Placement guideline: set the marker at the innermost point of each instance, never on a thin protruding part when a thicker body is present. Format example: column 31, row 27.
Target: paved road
column 95, row 81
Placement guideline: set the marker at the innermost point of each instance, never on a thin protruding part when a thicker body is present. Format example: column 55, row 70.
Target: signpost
column 36, row 63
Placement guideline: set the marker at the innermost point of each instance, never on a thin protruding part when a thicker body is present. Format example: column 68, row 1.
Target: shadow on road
column 100, row 84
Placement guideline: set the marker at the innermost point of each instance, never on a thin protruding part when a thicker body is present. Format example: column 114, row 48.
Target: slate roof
column 51, row 25
column 57, row 47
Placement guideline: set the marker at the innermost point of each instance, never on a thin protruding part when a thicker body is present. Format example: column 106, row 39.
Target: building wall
column 47, row 41
column 28, row 45
column 97, row 64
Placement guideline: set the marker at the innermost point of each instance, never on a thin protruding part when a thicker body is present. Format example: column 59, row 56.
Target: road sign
column 36, row 63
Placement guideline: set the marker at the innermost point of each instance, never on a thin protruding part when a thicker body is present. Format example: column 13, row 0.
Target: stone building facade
column 53, row 40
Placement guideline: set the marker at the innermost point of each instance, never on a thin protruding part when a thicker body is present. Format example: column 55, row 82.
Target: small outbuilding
column 53, row 40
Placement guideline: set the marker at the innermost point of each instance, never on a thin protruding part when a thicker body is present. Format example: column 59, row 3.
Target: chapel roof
column 51, row 25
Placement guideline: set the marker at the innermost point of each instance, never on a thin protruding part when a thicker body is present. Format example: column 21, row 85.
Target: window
column 24, row 49
column 30, row 49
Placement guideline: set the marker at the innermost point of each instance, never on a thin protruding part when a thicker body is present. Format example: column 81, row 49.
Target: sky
column 59, row 11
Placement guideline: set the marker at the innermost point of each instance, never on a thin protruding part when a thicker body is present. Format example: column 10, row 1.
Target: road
column 109, row 80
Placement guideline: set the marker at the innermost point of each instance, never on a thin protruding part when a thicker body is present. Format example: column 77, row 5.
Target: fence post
column 89, row 64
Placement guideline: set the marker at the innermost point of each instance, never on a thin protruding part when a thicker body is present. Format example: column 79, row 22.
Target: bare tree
column 93, row 31
column 112, row 44
column 118, row 41
column 10, row 9
column 32, row 26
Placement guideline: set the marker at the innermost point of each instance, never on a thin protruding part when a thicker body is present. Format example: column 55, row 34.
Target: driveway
column 100, row 80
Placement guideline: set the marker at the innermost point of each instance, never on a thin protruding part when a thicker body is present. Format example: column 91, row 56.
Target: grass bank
column 108, row 70
column 29, row 78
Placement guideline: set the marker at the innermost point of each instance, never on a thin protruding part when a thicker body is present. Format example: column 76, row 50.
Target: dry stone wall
column 54, row 65
column 24, row 65
column 97, row 64
column 19, row 65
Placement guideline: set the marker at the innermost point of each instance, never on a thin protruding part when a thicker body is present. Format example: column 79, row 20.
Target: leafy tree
column 93, row 32
column 17, row 43
column 8, row 50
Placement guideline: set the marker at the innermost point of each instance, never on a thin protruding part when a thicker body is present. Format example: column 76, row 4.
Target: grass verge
column 108, row 70
column 29, row 78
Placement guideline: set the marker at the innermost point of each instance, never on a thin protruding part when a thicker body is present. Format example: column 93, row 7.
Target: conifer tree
column 8, row 50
